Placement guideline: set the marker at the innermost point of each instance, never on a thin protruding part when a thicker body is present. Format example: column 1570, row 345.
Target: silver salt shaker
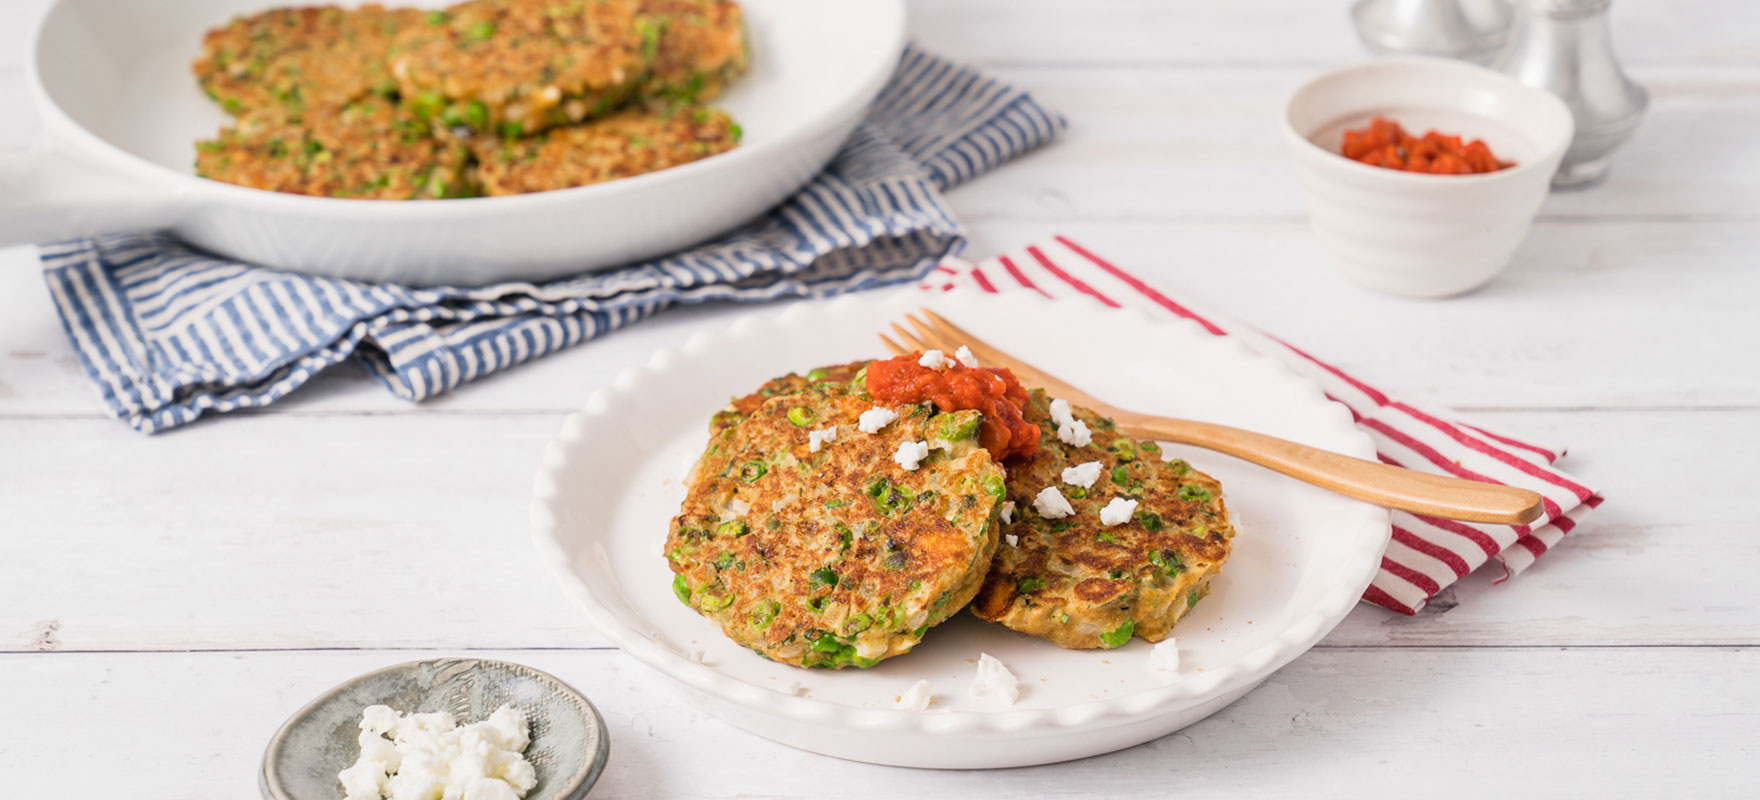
column 1471, row 30
column 1564, row 47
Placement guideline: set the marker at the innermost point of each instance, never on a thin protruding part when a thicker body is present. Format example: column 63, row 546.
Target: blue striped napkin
column 168, row 332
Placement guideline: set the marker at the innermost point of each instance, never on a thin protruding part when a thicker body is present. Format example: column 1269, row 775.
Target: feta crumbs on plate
column 1007, row 511
column 1070, row 431
column 1164, row 659
column 1082, row 475
column 1075, row 434
column 994, row 680
column 1118, row 512
column 1051, row 504
column 915, row 698
column 935, row 359
column 1060, row 412
column 964, row 354
column 792, row 689
column 872, row 420
column 819, row 438
column 910, row 455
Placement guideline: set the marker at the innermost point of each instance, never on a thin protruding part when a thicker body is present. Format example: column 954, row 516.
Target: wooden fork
column 1381, row 484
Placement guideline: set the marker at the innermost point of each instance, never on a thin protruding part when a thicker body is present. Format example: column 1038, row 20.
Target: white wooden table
column 165, row 602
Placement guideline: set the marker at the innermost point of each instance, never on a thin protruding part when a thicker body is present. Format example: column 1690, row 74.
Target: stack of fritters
column 485, row 97
column 841, row 557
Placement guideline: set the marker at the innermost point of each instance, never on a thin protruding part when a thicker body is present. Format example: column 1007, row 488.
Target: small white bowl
column 1416, row 234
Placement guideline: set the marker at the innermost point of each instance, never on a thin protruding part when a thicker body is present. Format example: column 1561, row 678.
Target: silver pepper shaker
column 1564, row 47
column 1471, row 30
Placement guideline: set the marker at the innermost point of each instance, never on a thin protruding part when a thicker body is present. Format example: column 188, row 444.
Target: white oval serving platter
column 1302, row 557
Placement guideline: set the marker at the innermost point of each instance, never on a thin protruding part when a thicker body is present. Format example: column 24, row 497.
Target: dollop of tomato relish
column 992, row 392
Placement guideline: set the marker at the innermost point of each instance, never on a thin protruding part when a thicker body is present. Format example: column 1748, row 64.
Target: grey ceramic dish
column 569, row 742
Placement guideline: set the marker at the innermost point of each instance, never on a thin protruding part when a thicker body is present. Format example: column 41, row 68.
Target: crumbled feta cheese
column 935, row 359
column 872, row 420
column 1164, row 658
column 910, row 455
column 697, row 654
column 421, row 756
column 915, row 698
column 1013, row 540
column 994, row 680
column 792, row 689
column 1060, row 412
column 964, row 354
column 1118, row 512
column 1082, row 475
column 1051, row 504
column 817, row 439
column 1007, row 511
column 1075, row 433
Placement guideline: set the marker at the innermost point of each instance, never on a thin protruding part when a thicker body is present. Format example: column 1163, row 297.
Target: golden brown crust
column 1078, row 583
column 368, row 149
column 702, row 47
column 521, row 66
column 292, row 59
column 627, row 143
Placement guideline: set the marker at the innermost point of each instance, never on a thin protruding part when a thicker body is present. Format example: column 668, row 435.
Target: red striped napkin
column 1426, row 554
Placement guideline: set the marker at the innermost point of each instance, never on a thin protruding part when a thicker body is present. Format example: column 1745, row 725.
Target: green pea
column 682, row 588
column 959, row 427
column 437, row 17
column 1192, row 599
column 801, row 416
column 993, row 485
column 427, row 105
column 733, row 527
column 1119, row 635
column 833, row 503
column 512, row 130
column 735, row 131
column 1150, row 520
column 765, row 613
column 1192, row 491
column 817, row 604
column 481, row 30
column 1125, row 450
column 1075, row 493
column 1062, row 617
column 1105, row 536
column 753, row 470
column 1030, row 584
column 1120, row 475
column 1179, row 467
column 1167, row 560
column 816, row 374
column 823, row 576
column 725, row 560
column 477, row 115
column 1199, row 531
column 896, row 559
column 712, row 602
column 858, row 623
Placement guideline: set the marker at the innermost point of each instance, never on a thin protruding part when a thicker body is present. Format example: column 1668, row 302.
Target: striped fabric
column 1426, row 554
column 168, row 333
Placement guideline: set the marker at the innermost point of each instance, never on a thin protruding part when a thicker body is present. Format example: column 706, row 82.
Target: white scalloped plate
column 614, row 478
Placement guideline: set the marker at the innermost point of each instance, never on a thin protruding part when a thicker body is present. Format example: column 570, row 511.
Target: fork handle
column 1382, row 484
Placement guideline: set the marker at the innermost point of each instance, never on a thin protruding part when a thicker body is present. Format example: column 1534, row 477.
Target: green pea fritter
column 288, row 59
column 368, row 149
column 626, row 143
column 841, row 557
column 515, row 67
column 830, row 378
column 702, row 47
column 1083, row 585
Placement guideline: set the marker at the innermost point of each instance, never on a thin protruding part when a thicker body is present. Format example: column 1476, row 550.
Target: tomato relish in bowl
column 1384, row 143
column 993, row 392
